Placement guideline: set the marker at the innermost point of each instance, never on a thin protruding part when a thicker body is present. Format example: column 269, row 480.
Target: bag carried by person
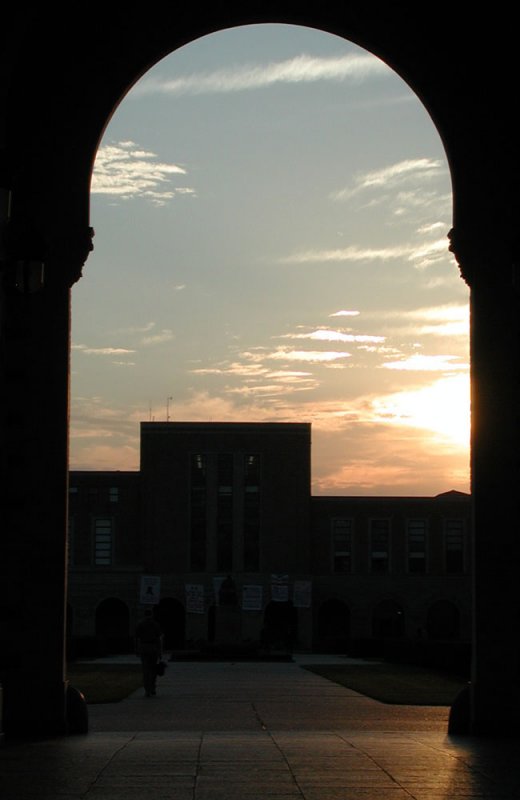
column 160, row 668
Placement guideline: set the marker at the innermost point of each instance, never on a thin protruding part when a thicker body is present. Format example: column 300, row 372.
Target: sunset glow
column 271, row 207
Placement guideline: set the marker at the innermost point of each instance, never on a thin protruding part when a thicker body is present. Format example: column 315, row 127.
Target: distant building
column 231, row 502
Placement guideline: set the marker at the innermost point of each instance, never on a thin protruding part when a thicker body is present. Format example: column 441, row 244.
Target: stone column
column 493, row 276
column 35, row 288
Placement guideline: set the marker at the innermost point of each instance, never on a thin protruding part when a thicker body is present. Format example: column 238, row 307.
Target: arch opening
column 302, row 188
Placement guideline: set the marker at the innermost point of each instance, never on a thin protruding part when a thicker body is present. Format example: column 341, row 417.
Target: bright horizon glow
column 271, row 206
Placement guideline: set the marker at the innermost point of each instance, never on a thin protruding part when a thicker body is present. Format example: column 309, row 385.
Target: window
column 198, row 512
column 341, row 545
column 379, row 542
column 225, row 511
column 252, row 513
column 113, row 494
column 416, row 531
column 103, row 541
column 454, row 546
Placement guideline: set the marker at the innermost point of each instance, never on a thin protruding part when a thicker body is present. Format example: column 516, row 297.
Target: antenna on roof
column 168, row 408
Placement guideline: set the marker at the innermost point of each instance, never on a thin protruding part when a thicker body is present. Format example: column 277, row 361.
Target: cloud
column 123, row 171
column 313, row 356
column 419, row 169
column 245, row 77
column 165, row 335
column 325, row 335
column 344, row 313
column 102, row 351
column 447, row 320
column 420, row 255
column 425, row 363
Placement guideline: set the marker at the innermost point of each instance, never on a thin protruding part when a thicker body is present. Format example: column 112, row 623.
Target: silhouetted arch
column 443, row 620
column 170, row 615
column 333, row 627
column 280, row 625
column 113, row 625
column 388, row 620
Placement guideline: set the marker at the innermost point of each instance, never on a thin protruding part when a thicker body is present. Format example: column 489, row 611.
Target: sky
column 271, row 206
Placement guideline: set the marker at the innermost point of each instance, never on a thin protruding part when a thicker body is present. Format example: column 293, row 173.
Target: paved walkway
column 270, row 731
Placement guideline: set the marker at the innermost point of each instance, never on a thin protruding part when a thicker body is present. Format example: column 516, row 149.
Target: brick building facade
column 216, row 501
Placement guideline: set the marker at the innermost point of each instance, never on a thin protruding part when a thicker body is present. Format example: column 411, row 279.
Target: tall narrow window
column 416, row 530
column 198, row 512
column 342, row 545
column 252, row 513
column 379, row 544
column 225, row 512
column 454, row 546
column 113, row 494
column 103, row 541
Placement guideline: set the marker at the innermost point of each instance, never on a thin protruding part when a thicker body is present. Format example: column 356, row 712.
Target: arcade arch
column 469, row 99
column 291, row 378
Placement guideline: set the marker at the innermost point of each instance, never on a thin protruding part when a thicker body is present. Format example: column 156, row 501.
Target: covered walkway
column 259, row 731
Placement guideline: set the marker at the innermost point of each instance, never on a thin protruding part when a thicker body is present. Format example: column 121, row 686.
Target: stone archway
column 333, row 627
column 388, row 620
column 57, row 100
column 171, row 616
column 113, row 626
column 443, row 621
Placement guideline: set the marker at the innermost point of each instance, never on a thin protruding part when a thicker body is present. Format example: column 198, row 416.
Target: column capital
column 68, row 252
column 36, row 258
column 484, row 260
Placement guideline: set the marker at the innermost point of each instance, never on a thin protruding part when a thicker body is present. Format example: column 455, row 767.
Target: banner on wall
column 150, row 590
column 302, row 594
column 252, row 597
column 195, row 598
column 217, row 583
column 279, row 594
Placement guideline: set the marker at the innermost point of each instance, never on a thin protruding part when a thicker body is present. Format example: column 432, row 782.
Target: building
column 231, row 503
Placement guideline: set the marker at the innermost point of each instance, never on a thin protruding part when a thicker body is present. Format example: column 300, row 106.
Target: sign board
column 194, row 598
column 279, row 593
column 150, row 591
column 252, row 597
column 302, row 594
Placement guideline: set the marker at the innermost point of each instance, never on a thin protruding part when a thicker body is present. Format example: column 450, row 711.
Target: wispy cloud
column 165, row 335
column 325, row 335
column 389, row 177
column 420, row 255
column 449, row 320
column 102, row 351
column 344, row 313
column 312, row 356
column 123, row 170
column 428, row 363
column 242, row 77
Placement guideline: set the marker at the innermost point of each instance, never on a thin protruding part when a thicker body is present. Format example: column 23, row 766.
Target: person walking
column 148, row 639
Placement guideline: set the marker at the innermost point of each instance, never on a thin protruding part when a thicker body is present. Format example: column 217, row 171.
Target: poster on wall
column 280, row 592
column 217, row 583
column 302, row 594
column 150, row 590
column 252, row 598
column 194, row 598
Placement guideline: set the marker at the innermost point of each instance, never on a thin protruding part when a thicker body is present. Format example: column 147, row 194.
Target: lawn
column 105, row 683
column 399, row 684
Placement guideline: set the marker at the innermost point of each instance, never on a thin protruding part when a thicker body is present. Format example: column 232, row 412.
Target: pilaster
column 490, row 268
column 36, row 274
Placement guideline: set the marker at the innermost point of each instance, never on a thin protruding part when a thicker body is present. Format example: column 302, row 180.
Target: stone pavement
column 259, row 731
